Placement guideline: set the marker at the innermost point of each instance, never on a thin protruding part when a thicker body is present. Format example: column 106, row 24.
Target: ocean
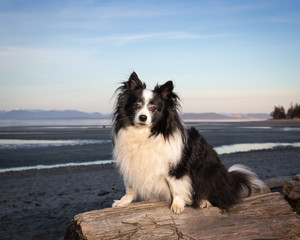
column 42, row 144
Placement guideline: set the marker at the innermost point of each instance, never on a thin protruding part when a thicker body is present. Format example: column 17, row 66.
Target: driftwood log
column 291, row 190
column 266, row 216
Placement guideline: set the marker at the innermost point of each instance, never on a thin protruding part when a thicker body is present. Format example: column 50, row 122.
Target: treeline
column 292, row 113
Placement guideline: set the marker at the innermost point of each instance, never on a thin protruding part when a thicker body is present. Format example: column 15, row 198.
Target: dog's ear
column 134, row 82
column 165, row 90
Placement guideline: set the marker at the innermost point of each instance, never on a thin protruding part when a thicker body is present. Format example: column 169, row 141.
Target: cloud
column 284, row 19
column 94, row 15
column 123, row 39
column 116, row 10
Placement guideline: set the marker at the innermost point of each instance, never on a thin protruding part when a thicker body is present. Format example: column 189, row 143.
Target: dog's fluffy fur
column 159, row 158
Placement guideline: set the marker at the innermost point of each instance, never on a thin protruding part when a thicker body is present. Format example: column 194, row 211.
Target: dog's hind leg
column 204, row 204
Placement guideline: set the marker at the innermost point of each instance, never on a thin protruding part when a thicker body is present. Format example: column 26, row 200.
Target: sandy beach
column 39, row 204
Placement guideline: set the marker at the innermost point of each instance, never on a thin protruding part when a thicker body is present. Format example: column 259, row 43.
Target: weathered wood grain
column 266, row 216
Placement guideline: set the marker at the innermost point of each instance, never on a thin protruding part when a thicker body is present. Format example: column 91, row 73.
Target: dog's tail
column 247, row 180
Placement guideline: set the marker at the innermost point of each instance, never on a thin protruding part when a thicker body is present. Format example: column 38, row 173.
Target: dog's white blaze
column 145, row 161
column 147, row 95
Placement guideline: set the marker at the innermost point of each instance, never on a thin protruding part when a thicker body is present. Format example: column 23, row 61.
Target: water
column 38, row 167
column 20, row 143
column 273, row 134
column 246, row 147
column 225, row 149
column 14, row 144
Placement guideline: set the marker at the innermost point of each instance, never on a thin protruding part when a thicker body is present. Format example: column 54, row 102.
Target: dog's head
column 140, row 107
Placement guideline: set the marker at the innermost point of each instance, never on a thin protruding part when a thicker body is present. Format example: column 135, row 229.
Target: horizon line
column 99, row 112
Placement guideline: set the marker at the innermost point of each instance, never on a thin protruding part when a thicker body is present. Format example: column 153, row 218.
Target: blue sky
column 223, row 56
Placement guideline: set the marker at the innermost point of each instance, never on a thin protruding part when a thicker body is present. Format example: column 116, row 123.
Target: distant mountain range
column 72, row 114
column 52, row 114
column 217, row 116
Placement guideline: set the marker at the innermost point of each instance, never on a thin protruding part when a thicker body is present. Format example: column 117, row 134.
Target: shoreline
column 96, row 123
column 98, row 145
column 253, row 159
column 221, row 150
column 39, row 204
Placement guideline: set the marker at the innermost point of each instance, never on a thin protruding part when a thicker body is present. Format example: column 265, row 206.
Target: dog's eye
column 153, row 109
column 136, row 106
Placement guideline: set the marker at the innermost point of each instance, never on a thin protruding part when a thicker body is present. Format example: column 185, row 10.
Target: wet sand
column 39, row 204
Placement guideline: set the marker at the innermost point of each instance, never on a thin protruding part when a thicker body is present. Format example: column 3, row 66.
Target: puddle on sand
column 20, row 143
column 246, row 147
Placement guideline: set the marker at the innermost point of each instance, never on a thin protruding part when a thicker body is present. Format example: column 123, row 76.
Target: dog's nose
column 143, row 118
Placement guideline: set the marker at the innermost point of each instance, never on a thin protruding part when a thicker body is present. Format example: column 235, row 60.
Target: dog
column 159, row 158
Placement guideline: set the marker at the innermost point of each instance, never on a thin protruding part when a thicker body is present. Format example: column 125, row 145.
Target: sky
column 223, row 56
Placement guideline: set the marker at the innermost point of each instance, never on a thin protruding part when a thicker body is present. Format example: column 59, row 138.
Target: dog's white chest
column 145, row 161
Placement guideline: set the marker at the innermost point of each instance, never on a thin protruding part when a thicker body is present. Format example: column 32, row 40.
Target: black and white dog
column 159, row 158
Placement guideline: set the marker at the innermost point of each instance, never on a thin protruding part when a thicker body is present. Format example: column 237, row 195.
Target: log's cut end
column 291, row 190
column 266, row 216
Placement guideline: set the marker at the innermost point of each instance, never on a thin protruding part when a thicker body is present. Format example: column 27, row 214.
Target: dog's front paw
column 204, row 204
column 177, row 208
column 120, row 203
